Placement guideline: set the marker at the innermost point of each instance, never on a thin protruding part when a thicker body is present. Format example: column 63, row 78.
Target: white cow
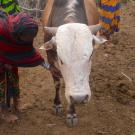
column 74, row 47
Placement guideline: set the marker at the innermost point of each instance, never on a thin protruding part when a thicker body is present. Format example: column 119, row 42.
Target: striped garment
column 9, row 85
column 10, row 6
column 17, row 53
column 109, row 11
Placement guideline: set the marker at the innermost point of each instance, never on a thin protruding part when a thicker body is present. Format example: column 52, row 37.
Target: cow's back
column 58, row 12
column 68, row 11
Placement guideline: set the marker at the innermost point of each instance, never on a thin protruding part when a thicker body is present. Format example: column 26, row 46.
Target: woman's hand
column 55, row 72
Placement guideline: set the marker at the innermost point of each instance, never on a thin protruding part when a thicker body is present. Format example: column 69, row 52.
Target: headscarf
column 18, row 53
column 22, row 23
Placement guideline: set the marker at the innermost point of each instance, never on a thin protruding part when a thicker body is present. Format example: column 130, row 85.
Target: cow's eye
column 61, row 61
column 90, row 56
column 93, row 42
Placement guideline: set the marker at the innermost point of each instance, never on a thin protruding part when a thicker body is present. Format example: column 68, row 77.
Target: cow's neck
column 69, row 11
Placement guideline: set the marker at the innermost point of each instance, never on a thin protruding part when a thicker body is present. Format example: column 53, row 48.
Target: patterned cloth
column 9, row 85
column 10, row 6
column 2, row 85
column 13, row 51
column 27, row 23
column 109, row 11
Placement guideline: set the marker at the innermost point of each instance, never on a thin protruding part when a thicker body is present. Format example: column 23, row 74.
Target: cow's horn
column 51, row 44
column 51, row 30
column 95, row 28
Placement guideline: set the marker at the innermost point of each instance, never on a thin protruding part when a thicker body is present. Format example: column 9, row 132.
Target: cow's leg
column 52, row 58
column 72, row 119
column 57, row 101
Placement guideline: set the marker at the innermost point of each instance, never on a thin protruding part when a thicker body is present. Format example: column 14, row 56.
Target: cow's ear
column 95, row 28
column 99, row 40
column 49, row 45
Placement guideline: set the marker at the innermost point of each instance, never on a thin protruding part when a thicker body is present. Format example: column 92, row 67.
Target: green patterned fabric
column 10, row 6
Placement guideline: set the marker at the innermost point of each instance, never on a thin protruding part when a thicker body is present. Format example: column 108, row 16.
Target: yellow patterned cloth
column 109, row 11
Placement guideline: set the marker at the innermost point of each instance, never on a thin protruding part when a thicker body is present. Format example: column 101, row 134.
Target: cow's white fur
column 74, row 49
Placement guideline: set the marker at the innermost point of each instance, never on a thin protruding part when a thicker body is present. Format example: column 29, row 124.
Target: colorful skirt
column 109, row 12
column 9, row 85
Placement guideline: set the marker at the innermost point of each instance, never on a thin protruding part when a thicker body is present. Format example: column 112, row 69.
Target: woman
column 17, row 33
column 109, row 13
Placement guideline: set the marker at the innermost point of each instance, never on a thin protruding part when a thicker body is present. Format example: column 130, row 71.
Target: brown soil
column 111, row 110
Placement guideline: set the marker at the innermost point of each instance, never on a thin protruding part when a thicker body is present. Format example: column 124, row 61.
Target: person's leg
column 5, row 114
column 13, row 87
column 2, row 88
column 116, row 20
column 106, row 19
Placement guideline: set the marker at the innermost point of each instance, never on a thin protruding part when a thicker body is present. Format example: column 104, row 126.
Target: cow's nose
column 79, row 99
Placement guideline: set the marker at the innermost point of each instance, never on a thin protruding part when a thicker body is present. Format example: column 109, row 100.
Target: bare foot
column 7, row 116
column 109, row 44
column 10, row 118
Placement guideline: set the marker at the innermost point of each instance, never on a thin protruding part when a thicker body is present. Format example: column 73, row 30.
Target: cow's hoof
column 58, row 109
column 72, row 120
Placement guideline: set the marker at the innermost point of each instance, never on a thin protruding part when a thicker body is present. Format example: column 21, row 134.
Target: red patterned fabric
column 17, row 53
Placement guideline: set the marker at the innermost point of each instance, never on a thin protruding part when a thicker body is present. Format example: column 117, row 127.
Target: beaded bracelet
column 46, row 65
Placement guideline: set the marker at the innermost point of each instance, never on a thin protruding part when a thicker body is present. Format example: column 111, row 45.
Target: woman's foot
column 7, row 116
column 109, row 44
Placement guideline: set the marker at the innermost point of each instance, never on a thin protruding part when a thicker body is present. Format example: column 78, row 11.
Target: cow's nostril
column 86, row 99
column 71, row 99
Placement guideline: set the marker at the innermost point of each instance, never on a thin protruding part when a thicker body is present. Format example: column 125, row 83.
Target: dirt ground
column 111, row 110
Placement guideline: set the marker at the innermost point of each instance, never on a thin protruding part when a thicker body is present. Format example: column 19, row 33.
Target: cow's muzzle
column 79, row 99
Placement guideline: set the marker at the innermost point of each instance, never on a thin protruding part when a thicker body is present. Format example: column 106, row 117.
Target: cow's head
column 74, row 44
